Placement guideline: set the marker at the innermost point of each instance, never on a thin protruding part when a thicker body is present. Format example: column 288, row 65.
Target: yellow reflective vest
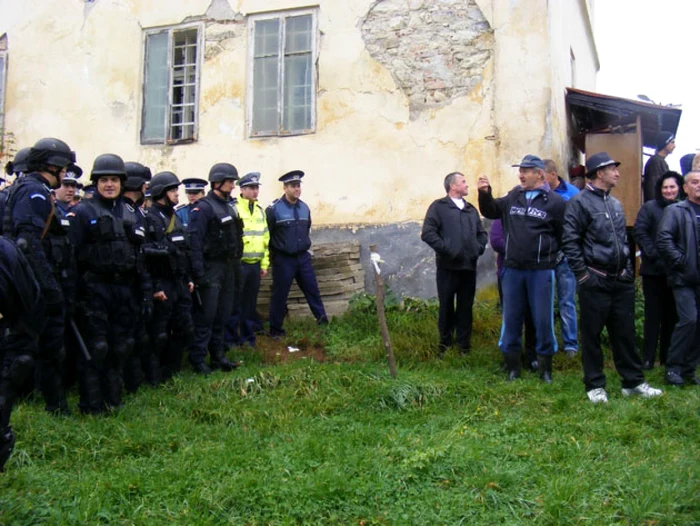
column 256, row 236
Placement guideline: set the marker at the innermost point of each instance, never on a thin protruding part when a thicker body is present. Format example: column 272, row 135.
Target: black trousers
column 684, row 352
column 215, row 300
column 608, row 302
column 459, row 285
column 172, row 329
column 659, row 317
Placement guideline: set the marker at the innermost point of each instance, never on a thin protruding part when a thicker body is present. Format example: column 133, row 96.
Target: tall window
column 171, row 85
column 282, row 95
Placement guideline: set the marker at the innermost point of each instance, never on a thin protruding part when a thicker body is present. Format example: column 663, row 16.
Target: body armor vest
column 224, row 232
column 167, row 256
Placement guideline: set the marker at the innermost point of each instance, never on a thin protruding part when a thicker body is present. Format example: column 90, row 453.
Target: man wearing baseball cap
column 656, row 165
column 532, row 216
column 595, row 245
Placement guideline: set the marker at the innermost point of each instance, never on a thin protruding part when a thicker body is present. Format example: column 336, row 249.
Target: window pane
column 298, row 30
column 297, row 92
column 184, row 84
column 267, row 38
column 265, row 95
column 155, row 91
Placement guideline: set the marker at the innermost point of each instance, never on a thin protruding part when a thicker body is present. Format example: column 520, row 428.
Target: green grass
column 340, row 442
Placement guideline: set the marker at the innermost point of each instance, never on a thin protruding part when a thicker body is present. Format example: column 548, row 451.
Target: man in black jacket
column 595, row 244
column 678, row 244
column 453, row 229
column 532, row 216
column 656, row 165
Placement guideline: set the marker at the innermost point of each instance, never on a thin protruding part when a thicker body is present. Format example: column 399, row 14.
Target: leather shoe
column 201, row 368
column 673, row 378
column 223, row 363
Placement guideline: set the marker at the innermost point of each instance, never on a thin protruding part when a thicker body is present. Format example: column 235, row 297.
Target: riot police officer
column 133, row 195
column 29, row 216
column 20, row 320
column 18, row 165
column 194, row 190
column 168, row 260
column 289, row 221
column 116, row 288
column 217, row 244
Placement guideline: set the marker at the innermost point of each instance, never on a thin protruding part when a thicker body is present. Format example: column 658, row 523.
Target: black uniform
column 216, row 237
column 116, row 289
column 21, row 311
column 168, row 261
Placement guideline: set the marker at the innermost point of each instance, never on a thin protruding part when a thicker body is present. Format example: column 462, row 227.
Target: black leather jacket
column 678, row 245
column 595, row 235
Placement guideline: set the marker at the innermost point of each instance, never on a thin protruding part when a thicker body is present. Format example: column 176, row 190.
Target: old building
column 375, row 99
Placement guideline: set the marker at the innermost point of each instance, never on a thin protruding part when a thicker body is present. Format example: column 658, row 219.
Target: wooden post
column 381, row 314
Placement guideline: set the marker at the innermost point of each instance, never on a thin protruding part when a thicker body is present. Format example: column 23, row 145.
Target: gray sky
column 650, row 47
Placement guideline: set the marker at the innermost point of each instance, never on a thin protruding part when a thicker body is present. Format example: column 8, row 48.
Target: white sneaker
column 644, row 390
column 598, row 396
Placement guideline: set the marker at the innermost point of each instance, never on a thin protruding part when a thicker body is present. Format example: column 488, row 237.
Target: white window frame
column 280, row 132
column 170, row 30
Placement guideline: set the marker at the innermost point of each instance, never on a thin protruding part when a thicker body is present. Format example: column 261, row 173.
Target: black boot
column 55, row 397
column 201, row 368
column 7, row 444
column 91, row 400
column 114, row 388
column 512, row 361
column 545, row 367
column 218, row 360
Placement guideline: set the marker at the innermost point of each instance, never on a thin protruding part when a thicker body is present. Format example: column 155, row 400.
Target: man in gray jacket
column 677, row 241
column 453, row 229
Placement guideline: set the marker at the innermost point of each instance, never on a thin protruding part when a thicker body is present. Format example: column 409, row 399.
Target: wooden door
column 626, row 148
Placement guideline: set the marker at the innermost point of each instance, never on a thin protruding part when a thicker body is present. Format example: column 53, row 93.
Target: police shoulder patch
column 273, row 203
column 129, row 207
column 34, row 196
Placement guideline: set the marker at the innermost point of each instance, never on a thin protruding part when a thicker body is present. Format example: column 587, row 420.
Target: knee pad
column 99, row 351
column 19, row 369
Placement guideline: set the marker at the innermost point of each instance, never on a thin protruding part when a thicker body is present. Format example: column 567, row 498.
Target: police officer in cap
column 20, row 318
column 194, row 190
column 289, row 221
column 168, row 256
column 216, row 237
column 116, row 288
column 69, row 186
column 29, row 218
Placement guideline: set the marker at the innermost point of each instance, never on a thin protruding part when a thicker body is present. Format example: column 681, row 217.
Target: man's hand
column 482, row 183
column 263, row 273
column 190, row 286
column 160, row 296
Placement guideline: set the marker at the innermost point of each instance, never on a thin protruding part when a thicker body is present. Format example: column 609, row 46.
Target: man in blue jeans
column 532, row 216
column 566, row 281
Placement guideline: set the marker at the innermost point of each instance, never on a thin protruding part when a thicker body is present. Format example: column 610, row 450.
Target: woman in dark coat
column 659, row 305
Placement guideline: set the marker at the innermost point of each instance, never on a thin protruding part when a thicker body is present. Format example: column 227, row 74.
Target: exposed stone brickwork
column 436, row 51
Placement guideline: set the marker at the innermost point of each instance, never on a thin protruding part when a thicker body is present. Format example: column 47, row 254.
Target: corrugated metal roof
column 595, row 112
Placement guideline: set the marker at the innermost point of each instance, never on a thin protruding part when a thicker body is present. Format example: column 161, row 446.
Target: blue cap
column 193, row 184
column 530, row 161
column 290, row 177
column 250, row 179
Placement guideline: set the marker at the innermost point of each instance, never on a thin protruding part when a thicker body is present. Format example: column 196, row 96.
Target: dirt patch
column 282, row 351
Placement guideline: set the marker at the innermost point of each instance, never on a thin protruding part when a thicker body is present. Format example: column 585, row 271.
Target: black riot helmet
column 18, row 165
column 49, row 152
column 108, row 164
column 136, row 175
column 222, row 171
column 161, row 183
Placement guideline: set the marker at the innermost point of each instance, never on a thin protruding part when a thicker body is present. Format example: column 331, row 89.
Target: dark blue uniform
column 108, row 236
column 21, row 311
column 216, row 237
column 290, row 226
column 168, row 261
column 29, row 216
column 183, row 214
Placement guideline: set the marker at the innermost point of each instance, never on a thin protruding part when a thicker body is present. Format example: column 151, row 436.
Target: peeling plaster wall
column 408, row 90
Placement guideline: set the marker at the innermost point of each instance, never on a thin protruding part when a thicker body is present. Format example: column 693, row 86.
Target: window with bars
column 282, row 92
column 171, row 85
